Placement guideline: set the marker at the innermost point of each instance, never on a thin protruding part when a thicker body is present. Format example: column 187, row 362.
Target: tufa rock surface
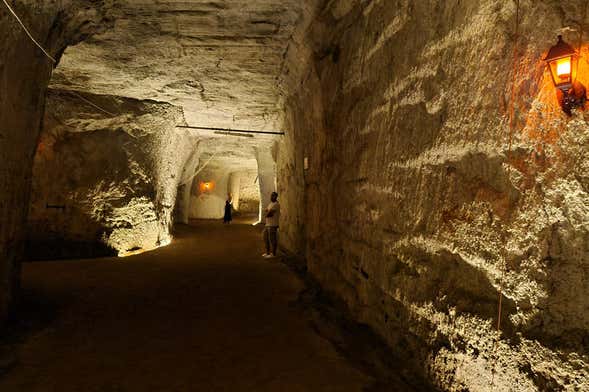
column 24, row 75
column 115, row 177
column 217, row 60
column 437, row 186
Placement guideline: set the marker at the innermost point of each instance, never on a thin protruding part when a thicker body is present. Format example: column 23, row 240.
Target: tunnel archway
column 133, row 138
column 23, row 85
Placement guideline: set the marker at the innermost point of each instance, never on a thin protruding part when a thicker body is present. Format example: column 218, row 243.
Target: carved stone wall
column 422, row 205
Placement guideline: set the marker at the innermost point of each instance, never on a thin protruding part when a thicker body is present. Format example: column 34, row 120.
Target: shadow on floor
column 358, row 343
column 34, row 313
column 206, row 313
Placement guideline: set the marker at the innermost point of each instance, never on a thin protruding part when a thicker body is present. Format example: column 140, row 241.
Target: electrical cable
column 28, row 33
column 199, row 169
column 18, row 19
column 91, row 103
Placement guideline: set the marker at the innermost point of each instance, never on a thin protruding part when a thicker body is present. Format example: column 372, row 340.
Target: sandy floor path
column 206, row 313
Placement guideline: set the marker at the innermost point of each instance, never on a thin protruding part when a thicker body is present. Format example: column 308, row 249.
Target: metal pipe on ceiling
column 231, row 130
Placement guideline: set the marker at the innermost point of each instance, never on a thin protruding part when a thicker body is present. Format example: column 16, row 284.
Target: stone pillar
column 233, row 187
column 140, row 149
column 23, row 80
column 24, row 76
column 266, row 177
column 184, row 190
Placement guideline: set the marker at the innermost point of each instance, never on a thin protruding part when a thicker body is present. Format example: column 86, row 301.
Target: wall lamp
column 562, row 62
column 206, row 187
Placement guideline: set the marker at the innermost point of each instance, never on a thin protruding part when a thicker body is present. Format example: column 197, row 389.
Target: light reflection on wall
column 138, row 251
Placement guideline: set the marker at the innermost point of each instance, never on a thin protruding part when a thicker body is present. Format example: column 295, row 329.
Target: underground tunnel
column 431, row 165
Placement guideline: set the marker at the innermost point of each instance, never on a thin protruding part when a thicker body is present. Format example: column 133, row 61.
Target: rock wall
column 24, row 75
column 249, row 193
column 105, row 182
column 209, row 203
column 185, row 187
column 234, row 188
column 266, row 177
column 437, row 186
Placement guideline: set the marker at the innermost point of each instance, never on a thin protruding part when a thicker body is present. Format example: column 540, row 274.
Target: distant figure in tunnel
column 271, row 229
column 228, row 206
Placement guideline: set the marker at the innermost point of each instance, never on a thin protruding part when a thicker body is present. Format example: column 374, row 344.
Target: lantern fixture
column 562, row 62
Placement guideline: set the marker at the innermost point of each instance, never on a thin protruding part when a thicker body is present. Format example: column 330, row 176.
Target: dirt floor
column 206, row 313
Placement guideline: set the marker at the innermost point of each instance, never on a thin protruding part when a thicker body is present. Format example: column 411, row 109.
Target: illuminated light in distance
column 206, row 186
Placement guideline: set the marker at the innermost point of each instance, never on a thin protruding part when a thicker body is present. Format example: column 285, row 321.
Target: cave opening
column 434, row 196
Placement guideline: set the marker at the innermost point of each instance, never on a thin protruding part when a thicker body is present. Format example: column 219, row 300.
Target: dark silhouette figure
column 271, row 229
column 227, row 218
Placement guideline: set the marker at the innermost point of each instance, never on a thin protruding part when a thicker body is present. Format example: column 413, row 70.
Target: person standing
column 271, row 229
column 227, row 218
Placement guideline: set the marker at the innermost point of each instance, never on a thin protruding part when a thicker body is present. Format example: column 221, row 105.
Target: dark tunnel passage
column 430, row 160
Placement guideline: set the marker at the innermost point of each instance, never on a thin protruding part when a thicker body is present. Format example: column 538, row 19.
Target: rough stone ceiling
column 231, row 153
column 217, row 59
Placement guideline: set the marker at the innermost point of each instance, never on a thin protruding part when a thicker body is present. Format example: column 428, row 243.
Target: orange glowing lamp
column 206, row 187
column 562, row 59
column 562, row 62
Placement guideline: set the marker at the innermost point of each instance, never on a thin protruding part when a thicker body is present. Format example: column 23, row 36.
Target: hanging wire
column 20, row 22
column 91, row 103
column 199, row 169
column 28, row 32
